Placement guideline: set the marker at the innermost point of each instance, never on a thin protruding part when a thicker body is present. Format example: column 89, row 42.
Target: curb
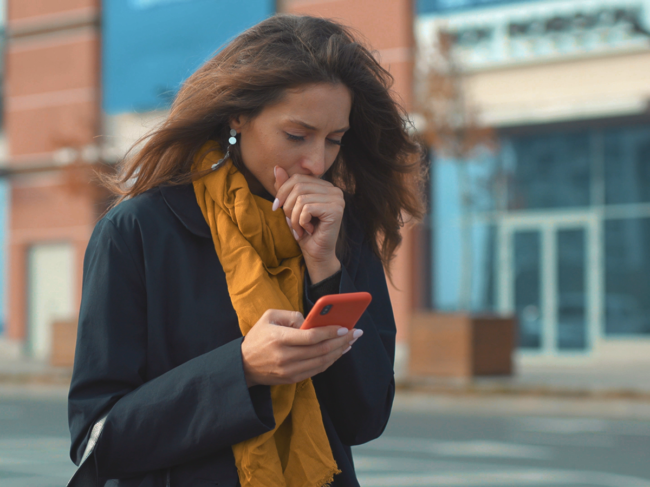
column 50, row 377
column 481, row 388
column 62, row 376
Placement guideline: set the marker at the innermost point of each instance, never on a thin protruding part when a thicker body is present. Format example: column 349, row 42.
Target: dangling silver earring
column 231, row 141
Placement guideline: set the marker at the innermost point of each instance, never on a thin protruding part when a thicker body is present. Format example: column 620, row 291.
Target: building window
column 627, row 277
column 626, row 155
column 549, row 171
column 576, row 202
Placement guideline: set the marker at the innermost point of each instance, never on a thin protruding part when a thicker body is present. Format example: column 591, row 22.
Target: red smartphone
column 337, row 309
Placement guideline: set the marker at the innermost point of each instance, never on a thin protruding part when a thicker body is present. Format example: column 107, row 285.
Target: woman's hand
column 275, row 351
column 314, row 211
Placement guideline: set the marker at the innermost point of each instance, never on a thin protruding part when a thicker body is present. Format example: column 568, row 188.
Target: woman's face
column 301, row 133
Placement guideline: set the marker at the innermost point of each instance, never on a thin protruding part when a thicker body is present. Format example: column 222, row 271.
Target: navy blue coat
column 159, row 346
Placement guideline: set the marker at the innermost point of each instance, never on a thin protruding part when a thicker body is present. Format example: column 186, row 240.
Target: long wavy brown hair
column 379, row 166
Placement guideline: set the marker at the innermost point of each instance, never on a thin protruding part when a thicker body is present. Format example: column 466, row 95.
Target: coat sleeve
column 358, row 389
column 189, row 412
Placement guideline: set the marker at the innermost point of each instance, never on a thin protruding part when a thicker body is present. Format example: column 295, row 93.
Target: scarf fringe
column 327, row 481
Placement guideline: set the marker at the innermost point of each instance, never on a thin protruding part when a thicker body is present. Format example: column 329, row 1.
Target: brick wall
column 52, row 101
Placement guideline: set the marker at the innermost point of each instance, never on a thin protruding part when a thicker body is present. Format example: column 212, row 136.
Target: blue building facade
column 446, row 6
column 555, row 225
column 151, row 46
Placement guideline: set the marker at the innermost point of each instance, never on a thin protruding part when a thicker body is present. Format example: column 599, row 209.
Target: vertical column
column 52, row 102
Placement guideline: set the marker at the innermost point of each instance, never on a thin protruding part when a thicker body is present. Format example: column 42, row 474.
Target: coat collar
column 182, row 202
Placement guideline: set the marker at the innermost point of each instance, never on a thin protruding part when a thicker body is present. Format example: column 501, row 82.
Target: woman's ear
column 237, row 122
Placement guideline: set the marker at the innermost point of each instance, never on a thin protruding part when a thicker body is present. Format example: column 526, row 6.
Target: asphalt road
column 442, row 447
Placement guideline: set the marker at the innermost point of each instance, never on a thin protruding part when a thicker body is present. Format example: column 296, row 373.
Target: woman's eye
column 335, row 142
column 294, row 137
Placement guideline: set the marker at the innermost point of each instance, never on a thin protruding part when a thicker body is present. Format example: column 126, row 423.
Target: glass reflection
column 571, row 312
column 548, row 171
column 627, row 285
column 527, row 274
column 627, row 165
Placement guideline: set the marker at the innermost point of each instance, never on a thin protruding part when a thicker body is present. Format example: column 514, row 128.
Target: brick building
column 52, row 101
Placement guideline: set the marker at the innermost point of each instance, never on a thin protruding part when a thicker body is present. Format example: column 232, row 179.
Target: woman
column 280, row 175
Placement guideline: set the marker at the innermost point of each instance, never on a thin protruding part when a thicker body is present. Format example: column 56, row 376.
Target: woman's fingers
column 304, row 369
column 275, row 352
column 292, row 336
column 323, row 354
column 299, row 185
column 313, row 336
column 301, row 192
column 314, row 207
column 309, row 352
column 308, row 201
column 285, row 187
column 281, row 177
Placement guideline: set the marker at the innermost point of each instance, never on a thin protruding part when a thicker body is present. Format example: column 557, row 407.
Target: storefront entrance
column 50, row 294
column 550, row 276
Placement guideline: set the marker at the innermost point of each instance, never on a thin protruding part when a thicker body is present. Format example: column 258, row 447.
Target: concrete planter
column 461, row 345
column 64, row 339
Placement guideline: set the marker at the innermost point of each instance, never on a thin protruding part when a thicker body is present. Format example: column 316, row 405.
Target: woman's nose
column 314, row 161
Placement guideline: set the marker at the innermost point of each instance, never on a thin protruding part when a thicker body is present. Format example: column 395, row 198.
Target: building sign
column 151, row 46
column 579, row 22
column 545, row 30
column 438, row 6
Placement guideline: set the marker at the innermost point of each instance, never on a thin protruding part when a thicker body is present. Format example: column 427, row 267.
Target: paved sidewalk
column 571, row 378
column 15, row 368
column 497, row 404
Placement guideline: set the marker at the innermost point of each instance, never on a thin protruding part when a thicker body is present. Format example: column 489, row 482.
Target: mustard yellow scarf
column 264, row 270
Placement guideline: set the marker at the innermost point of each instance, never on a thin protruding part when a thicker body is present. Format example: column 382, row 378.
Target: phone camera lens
column 326, row 309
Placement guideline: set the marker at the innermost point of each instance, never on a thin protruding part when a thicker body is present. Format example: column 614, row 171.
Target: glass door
column 527, row 286
column 548, row 281
column 572, row 296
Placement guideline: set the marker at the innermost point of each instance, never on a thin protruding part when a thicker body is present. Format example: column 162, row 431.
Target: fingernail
column 288, row 221
column 342, row 331
column 357, row 333
column 352, row 342
column 276, row 204
column 275, row 172
column 347, row 350
column 295, row 234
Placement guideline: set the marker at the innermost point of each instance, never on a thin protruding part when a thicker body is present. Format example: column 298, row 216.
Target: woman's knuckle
column 279, row 360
